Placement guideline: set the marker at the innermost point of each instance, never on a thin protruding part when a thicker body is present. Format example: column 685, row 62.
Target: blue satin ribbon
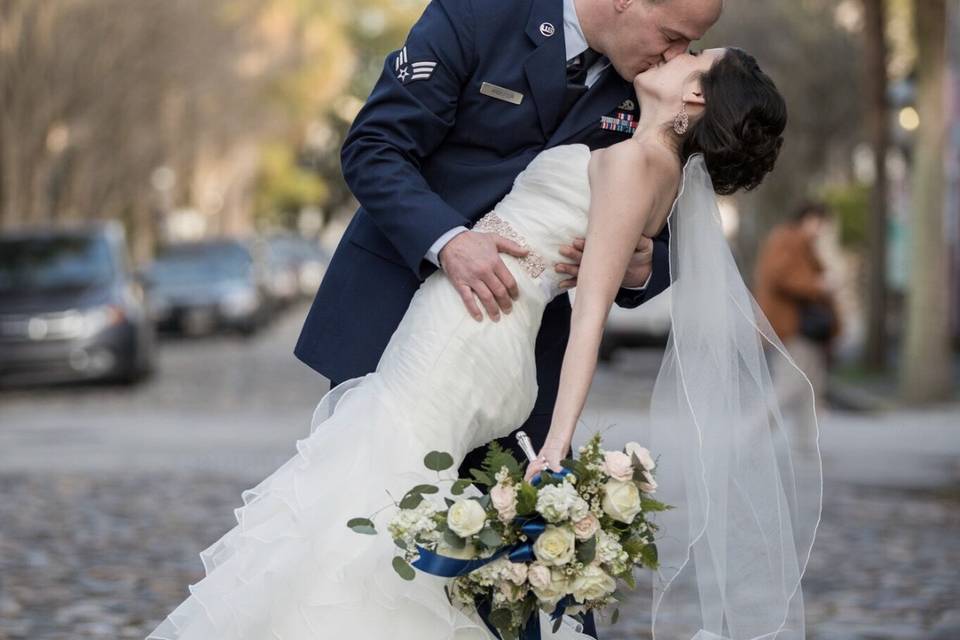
column 447, row 567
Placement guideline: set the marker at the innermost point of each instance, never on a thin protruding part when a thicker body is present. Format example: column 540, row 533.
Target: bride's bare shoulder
column 646, row 164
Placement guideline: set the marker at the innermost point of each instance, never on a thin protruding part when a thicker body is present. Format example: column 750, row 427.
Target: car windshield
column 54, row 262
column 201, row 263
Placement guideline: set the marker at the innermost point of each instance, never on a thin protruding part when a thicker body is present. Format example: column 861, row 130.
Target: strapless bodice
column 545, row 210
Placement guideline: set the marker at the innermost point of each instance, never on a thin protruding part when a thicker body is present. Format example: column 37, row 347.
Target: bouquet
column 562, row 543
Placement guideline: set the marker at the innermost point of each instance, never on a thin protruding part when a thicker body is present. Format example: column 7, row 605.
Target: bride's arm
column 630, row 183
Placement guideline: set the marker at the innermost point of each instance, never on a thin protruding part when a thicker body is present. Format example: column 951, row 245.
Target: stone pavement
column 108, row 495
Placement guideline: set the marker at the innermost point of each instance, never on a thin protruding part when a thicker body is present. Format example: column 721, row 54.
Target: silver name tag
column 501, row 93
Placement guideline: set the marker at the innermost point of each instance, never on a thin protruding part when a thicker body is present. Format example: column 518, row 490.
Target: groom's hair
column 741, row 130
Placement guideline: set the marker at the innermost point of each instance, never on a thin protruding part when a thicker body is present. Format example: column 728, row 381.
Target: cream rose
column 621, row 500
column 617, row 465
column 466, row 517
column 504, row 500
column 555, row 546
column 554, row 591
column 516, row 572
column 594, row 583
column 468, row 552
column 585, row 528
column 642, row 453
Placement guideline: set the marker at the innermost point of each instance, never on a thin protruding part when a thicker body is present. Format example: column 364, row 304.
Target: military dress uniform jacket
column 457, row 113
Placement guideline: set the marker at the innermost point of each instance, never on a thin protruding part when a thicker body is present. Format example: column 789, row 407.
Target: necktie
column 577, row 68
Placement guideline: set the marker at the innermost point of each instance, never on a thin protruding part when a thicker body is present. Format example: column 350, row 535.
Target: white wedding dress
column 291, row 569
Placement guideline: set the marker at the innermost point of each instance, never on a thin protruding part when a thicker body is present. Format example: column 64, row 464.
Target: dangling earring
column 682, row 121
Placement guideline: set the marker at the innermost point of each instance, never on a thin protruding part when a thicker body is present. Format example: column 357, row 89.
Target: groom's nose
column 676, row 49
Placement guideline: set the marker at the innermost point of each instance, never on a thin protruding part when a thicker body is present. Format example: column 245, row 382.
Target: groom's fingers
column 482, row 291
column 508, row 281
column 510, row 247
column 499, row 290
column 469, row 301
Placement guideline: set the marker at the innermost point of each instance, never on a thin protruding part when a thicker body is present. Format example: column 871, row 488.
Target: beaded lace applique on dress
column 533, row 263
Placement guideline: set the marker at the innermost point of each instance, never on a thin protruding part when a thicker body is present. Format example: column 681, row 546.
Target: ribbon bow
column 447, row 567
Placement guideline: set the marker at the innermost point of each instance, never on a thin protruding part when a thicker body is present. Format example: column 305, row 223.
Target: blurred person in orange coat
column 792, row 290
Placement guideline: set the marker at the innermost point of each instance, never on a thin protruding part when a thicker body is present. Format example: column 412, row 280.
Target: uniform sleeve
column 410, row 111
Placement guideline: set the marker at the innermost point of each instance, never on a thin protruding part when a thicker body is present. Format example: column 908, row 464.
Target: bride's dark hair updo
column 741, row 130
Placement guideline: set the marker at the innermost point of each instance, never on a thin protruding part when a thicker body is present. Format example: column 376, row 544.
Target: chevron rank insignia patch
column 408, row 72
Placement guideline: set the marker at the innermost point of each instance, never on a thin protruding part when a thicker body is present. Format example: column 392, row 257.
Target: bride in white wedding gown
column 292, row 570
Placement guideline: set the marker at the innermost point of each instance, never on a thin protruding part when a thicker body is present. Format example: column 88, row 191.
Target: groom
column 478, row 89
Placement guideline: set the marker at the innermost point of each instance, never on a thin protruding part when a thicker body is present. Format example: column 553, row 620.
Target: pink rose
column 650, row 486
column 539, row 575
column 585, row 528
column 617, row 465
column 504, row 499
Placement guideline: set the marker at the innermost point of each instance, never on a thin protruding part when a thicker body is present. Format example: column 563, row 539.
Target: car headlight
column 239, row 302
column 96, row 319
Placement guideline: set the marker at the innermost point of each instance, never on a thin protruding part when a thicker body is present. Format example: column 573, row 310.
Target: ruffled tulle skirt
column 291, row 569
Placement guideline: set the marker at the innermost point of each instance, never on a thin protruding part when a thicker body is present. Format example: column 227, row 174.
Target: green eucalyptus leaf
column 587, row 550
column 615, row 617
column 403, row 568
column 424, row 488
column 362, row 525
column 411, row 501
column 438, row 461
column 454, row 540
column 460, row 486
column 490, row 538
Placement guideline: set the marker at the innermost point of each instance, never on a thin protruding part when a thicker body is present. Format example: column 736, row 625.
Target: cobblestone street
column 109, row 494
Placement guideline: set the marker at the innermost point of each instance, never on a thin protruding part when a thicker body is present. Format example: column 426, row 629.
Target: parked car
column 646, row 326
column 202, row 287
column 71, row 309
column 304, row 260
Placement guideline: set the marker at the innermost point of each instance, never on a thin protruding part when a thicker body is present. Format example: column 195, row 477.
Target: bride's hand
column 638, row 269
column 549, row 456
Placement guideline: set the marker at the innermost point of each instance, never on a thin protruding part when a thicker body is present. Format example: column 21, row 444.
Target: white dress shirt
column 576, row 43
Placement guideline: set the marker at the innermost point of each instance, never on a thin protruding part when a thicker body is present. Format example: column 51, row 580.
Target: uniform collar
column 574, row 39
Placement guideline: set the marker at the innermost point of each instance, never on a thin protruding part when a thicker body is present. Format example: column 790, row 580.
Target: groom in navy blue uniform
column 479, row 88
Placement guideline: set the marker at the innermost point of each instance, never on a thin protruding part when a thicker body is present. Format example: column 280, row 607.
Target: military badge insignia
column 407, row 72
column 621, row 123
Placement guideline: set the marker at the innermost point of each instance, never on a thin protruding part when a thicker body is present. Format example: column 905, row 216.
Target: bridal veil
column 747, row 496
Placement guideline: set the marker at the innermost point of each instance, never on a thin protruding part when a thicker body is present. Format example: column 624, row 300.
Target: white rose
column 466, row 517
column 621, row 500
column 555, row 546
column 504, row 500
column 584, row 528
column 594, row 583
column 642, row 453
column 553, row 592
column 539, row 575
column 617, row 465
column 468, row 552
column 650, row 486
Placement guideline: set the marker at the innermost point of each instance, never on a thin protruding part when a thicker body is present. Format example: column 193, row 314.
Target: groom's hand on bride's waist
column 472, row 262
column 638, row 271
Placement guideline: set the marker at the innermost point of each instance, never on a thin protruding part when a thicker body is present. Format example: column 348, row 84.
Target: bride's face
column 672, row 81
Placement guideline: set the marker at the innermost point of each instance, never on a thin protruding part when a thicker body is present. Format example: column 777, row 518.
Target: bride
column 734, row 548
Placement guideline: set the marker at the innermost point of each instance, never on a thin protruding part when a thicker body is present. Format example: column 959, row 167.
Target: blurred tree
column 851, row 203
column 927, row 372
column 878, row 126
column 284, row 188
column 812, row 53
